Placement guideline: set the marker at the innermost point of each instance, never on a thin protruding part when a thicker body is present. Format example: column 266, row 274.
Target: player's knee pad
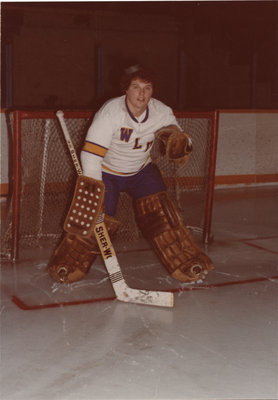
column 162, row 225
column 74, row 256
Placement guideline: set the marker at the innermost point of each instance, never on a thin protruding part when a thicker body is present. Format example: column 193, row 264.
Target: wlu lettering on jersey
column 126, row 134
column 137, row 145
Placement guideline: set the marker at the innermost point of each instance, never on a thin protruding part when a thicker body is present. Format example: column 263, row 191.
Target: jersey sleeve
column 169, row 117
column 91, row 165
column 97, row 142
column 165, row 113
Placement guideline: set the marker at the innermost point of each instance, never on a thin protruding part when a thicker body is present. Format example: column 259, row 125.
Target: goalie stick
column 122, row 290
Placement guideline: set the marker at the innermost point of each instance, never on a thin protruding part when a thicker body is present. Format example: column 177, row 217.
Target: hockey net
column 44, row 178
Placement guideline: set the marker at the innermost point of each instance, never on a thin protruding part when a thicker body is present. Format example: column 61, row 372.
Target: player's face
column 138, row 95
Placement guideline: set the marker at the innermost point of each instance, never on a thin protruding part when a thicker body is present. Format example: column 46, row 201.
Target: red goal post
column 43, row 177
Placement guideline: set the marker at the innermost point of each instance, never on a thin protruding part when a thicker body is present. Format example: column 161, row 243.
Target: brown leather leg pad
column 163, row 227
column 74, row 256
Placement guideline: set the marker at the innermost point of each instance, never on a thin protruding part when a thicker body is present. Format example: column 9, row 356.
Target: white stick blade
column 122, row 290
column 151, row 298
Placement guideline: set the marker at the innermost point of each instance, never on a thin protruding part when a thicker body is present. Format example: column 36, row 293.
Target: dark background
column 206, row 55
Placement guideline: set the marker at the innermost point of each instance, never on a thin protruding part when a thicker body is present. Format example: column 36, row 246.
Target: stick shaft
column 60, row 116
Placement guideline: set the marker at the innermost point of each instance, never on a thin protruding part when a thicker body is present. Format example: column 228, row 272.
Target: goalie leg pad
column 74, row 256
column 162, row 225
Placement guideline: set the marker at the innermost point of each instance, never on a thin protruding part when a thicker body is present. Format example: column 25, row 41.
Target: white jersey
column 119, row 143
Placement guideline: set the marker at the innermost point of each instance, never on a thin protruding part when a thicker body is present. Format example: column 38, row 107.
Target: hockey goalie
column 116, row 158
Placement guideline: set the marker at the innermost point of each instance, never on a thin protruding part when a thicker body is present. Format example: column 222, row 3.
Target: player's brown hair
column 136, row 72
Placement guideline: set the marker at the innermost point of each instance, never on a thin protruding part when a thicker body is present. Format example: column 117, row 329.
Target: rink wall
column 247, row 149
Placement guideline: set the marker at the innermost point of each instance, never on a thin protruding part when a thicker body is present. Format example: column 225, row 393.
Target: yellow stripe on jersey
column 117, row 172
column 94, row 148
